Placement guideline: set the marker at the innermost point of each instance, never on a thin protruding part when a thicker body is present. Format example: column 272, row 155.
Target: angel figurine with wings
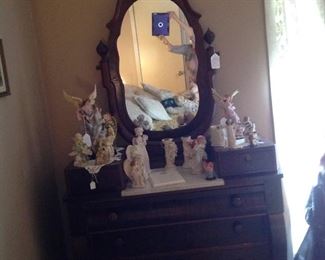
column 96, row 126
column 227, row 105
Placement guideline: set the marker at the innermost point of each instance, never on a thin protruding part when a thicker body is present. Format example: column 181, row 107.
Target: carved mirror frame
column 112, row 82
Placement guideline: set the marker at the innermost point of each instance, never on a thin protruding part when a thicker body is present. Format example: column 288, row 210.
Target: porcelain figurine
column 170, row 152
column 231, row 136
column 187, row 143
column 110, row 125
column 250, row 131
column 85, row 107
column 218, row 137
column 87, row 112
column 226, row 103
column 141, row 141
column 95, row 124
column 105, row 152
column 137, row 167
column 208, row 168
column 80, row 151
column 198, row 154
column 134, row 166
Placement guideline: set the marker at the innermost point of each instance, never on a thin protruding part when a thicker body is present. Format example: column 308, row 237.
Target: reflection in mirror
column 158, row 72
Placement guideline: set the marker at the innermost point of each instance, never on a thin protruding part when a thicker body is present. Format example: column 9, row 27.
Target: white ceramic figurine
column 134, row 166
column 170, row 152
column 218, row 137
column 198, row 155
column 187, row 151
column 231, row 136
column 141, row 141
column 105, row 151
column 80, row 151
column 250, row 131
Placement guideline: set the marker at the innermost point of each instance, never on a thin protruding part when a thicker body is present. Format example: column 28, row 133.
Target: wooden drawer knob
column 236, row 201
column 112, row 216
column 238, row 227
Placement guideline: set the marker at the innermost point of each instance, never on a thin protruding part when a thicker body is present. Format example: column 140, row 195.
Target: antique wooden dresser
column 242, row 219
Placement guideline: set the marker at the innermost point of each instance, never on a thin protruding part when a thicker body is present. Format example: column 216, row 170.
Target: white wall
column 239, row 27
column 29, row 219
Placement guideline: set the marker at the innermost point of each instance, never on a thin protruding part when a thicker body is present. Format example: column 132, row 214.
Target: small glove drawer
column 245, row 161
column 109, row 179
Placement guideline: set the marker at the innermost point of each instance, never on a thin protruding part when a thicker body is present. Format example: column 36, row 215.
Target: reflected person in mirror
column 187, row 50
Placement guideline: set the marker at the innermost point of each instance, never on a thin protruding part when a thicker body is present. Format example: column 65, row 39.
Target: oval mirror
column 158, row 65
column 173, row 70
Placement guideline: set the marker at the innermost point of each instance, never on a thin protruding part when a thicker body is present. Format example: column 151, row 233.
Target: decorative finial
column 102, row 49
column 209, row 36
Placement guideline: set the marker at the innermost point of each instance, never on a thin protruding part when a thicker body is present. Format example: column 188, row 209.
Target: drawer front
column 202, row 205
column 260, row 251
column 246, row 161
column 110, row 179
column 178, row 237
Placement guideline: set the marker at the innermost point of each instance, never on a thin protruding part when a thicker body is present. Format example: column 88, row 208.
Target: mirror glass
column 158, row 65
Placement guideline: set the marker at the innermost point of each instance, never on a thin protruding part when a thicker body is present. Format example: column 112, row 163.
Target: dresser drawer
column 200, row 205
column 245, row 161
column 181, row 236
column 259, row 251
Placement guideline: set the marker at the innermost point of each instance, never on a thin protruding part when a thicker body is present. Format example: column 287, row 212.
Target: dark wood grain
column 246, row 212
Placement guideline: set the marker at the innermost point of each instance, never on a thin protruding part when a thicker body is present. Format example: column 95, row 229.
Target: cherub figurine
column 134, row 166
column 198, row 154
column 105, row 151
column 187, row 151
column 137, row 167
column 80, row 151
column 141, row 141
column 110, row 124
column 170, row 152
